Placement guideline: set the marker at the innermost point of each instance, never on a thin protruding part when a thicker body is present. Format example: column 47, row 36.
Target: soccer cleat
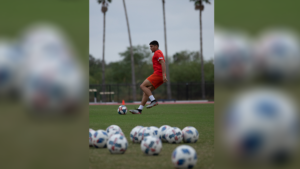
column 153, row 103
column 136, row 111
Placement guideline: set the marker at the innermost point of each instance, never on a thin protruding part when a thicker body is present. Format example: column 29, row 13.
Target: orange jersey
column 158, row 55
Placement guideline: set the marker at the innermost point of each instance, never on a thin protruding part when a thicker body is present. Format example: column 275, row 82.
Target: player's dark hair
column 154, row 43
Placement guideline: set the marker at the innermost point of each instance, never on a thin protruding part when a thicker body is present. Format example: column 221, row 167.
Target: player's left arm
column 163, row 66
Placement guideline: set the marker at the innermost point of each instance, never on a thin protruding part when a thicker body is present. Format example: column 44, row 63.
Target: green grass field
column 201, row 116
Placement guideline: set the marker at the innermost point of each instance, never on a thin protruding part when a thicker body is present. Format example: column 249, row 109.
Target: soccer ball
column 122, row 110
column 99, row 139
column 144, row 132
column 233, row 58
column 259, row 126
column 162, row 131
column 115, row 132
column 190, row 134
column 8, row 67
column 184, row 157
column 52, row 77
column 155, row 130
column 134, row 134
column 112, row 128
column 151, row 145
column 277, row 55
column 174, row 135
column 117, row 144
column 91, row 133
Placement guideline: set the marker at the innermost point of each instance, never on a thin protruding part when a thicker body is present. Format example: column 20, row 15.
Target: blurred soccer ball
column 134, row 134
column 122, row 110
column 278, row 55
column 174, row 135
column 261, row 126
column 233, row 57
column 151, row 145
column 113, row 132
column 112, row 129
column 162, row 131
column 190, row 134
column 91, row 133
column 184, row 157
column 10, row 65
column 99, row 139
column 145, row 132
column 155, row 130
column 117, row 144
column 52, row 79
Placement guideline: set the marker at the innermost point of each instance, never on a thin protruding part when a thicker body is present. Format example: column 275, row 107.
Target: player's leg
column 155, row 81
column 145, row 96
column 145, row 87
column 144, row 101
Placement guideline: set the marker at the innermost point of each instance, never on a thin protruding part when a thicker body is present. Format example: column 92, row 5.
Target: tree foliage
column 198, row 2
column 104, row 1
column 184, row 67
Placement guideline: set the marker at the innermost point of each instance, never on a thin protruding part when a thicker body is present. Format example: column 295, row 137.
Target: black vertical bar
column 186, row 91
column 191, row 88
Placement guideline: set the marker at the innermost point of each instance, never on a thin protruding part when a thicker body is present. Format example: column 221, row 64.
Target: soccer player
column 154, row 80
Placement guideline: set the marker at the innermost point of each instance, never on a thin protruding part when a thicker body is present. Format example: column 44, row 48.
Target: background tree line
column 198, row 6
column 185, row 66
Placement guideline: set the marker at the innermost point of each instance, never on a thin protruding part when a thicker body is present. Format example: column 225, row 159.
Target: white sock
column 151, row 98
column 141, row 107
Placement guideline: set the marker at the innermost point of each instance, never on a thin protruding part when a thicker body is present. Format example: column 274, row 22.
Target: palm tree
column 199, row 6
column 104, row 10
column 131, row 53
column 167, row 63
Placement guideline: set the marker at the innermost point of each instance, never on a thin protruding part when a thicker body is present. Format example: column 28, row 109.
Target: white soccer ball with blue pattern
column 134, row 134
column 174, row 135
column 261, row 125
column 190, row 134
column 91, row 133
column 115, row 132
column 99, row 139
column 112, row 128
column 184, row 157
column 155, row 130
column 145, row 132
column 151, row 145
column 8, row 67
column 162, row 131
column 117, row 144
column 122, row 110
column 277, row 54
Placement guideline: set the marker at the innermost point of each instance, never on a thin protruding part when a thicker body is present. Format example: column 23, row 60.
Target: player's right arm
column 163, row 67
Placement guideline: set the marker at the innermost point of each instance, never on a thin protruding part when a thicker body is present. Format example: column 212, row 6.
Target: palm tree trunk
column 167, row 62
column 201, row 54
column 132, row 60
column 103, row 60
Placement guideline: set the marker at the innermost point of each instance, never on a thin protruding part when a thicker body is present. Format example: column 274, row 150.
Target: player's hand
column 165, row 79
